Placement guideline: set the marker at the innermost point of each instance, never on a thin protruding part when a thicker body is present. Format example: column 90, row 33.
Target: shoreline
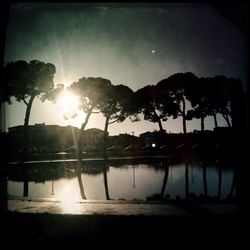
column 171, row 157
column 121, row 208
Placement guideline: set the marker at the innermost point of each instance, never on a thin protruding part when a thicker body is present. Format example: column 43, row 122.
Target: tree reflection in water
column 204, row 174
column 25, row 188
column 105, row 167
column 152, row 178
column 166, row 166
column 79, row 178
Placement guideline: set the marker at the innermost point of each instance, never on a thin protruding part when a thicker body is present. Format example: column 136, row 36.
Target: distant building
column 125, row 141
column 92, row 138
column 155, row 137
column 44, row 137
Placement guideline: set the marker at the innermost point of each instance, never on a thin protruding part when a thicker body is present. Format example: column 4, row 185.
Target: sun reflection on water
column 69, row 199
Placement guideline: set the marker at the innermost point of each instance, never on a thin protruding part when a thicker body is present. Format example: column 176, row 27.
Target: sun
column 68, row 104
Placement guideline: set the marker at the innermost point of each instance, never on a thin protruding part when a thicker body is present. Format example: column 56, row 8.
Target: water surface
column 121, row 181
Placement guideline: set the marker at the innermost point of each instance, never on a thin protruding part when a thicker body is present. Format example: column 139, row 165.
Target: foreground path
column 118, row 225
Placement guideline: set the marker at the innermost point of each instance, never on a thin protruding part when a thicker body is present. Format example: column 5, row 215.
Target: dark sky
column 128, row 44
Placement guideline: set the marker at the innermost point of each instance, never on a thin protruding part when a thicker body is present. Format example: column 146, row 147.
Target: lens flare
column 68, row 104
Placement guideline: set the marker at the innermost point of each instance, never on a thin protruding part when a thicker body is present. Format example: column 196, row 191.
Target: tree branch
column 96, row 112
column 114, row 121
column 25, row 101
column 224, row 116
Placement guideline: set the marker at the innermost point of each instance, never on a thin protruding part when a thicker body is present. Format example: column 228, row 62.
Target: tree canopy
column 25, row 79
column 179, row 88
column 91, row 91
column 208, row 96
column 117, row 103
column 154, row 104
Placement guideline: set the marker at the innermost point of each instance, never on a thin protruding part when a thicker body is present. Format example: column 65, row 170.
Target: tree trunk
column 26, row 127
column 165, row 180
column 219, row 181
column 159, row 121
column 225, row 116
column 202, row 123
column 228, row 122
column 184, row 116
column 28, row 109
column 79, row 147
column 105, row 137
column 215, row 120
column 160, row 125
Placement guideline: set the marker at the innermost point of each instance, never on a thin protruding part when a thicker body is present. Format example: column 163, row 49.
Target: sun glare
column 68, row 104
column 69, row 199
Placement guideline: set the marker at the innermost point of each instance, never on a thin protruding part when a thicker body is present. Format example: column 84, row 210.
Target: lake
column 121, row 180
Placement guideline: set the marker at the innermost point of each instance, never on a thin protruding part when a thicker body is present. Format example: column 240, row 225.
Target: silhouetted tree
column 200, row 103
column 147, row 105
column 25, row 81
column 220, row 97
column 155, row 106
column 197, row 113
column 234, row 108
column 179, row 87
column 211, row 96
column 91, row 92
column 218, row 91
column 116, row 105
